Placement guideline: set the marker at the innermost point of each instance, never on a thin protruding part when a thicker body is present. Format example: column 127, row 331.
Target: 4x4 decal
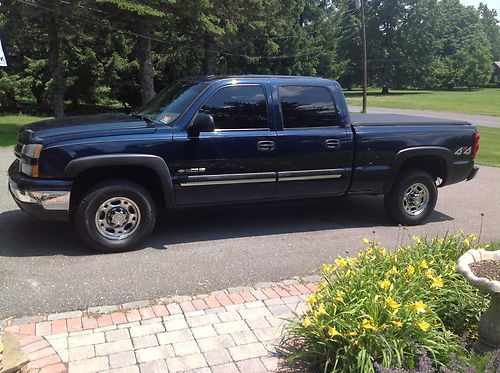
column 464, row 150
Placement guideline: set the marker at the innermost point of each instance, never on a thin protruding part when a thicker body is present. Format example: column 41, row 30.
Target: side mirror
column 202, row 123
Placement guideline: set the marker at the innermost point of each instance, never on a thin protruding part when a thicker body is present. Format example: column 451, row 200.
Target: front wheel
column 412, row 199
column 114, row 216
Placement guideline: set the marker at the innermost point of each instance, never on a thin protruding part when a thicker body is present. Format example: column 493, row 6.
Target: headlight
column 32, row 150
column 29, row 159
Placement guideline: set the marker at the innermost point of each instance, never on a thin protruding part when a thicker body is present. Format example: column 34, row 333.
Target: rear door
column 236, row 162
column 313, row 150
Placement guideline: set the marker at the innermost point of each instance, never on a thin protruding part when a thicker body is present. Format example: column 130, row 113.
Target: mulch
column 489, row 269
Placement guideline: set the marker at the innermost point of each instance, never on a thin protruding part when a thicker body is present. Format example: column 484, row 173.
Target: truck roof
column 214, row 78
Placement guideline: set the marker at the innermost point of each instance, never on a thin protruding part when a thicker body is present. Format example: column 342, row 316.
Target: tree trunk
column 209, row 63
column 56, row 67
column 146, row 71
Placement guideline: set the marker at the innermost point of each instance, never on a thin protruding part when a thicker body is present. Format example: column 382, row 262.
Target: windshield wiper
column 142, row 117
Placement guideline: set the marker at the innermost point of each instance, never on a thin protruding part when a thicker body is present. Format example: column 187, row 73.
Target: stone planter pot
column 489, row 326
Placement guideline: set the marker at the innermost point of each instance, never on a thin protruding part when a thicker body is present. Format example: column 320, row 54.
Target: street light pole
column 365, row 57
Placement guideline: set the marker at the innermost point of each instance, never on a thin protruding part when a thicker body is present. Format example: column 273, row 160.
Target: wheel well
column 141, row 175
column 434, row 165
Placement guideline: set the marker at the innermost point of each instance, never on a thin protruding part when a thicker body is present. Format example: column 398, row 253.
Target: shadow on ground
column 22, row 236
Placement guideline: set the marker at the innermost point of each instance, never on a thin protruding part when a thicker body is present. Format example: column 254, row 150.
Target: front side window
column 238, row 107
column 306, row 106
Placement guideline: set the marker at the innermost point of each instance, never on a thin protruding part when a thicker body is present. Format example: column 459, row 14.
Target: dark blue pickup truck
column 231, row 139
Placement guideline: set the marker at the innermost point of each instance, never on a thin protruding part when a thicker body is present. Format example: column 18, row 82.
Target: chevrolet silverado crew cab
column 231, row 139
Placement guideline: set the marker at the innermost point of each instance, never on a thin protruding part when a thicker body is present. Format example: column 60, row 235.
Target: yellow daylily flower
column 321, row 311
column 416, row 239
column 398, row 324
column 332, row 332
column 423, row 264
column 341, row 262
column 312, row 299
column 327, row 267
column 382, row 251
column 366, row 241
column 385, row 284
column 424, row 325
column 437, row 282
column 352, row 334
column 367, row 324
column 392, row 303
column 410, row 270
column 419, row 307
column 307, row 322
column 393, row 271
column 466, row 241
column 339, row 297
column 430, row 274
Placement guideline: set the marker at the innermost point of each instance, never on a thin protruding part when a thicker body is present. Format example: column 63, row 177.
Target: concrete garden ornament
column 481, row 269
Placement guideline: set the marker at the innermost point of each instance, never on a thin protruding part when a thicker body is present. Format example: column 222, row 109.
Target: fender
column 153, row 162
column 406, row 154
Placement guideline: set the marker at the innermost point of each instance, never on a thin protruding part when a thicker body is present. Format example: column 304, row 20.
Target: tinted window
column 238, row 108
column 307, row 107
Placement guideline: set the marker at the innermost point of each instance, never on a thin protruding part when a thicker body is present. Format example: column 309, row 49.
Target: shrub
column 384, row 308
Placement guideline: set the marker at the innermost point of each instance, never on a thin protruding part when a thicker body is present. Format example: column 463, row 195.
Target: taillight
column 476, row 144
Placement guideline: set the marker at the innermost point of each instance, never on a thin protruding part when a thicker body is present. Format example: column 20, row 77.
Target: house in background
column 496, row 73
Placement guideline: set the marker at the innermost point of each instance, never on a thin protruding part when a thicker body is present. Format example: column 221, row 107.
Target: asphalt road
column 476, row 119
column 45, row 268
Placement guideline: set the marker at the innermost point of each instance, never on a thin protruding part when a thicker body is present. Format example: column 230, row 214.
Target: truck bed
column 399, row 120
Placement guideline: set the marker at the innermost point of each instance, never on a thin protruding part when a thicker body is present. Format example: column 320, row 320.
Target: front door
column 314, row 153
column 236, row 162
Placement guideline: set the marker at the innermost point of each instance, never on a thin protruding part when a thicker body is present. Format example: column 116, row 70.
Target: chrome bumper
column 49, row 200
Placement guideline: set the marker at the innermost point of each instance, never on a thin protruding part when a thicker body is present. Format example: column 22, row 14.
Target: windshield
column 171, row 102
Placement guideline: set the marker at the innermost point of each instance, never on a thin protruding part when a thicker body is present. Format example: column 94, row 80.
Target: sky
column 491, row 3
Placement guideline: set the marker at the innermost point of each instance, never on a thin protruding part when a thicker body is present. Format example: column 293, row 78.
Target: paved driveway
column 45, row 268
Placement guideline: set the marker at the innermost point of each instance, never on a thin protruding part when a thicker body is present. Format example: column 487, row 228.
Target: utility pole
column 365, row 56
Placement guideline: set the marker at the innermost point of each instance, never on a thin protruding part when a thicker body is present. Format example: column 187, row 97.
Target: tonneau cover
column 399, row 119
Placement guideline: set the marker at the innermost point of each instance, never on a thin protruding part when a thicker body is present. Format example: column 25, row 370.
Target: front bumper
column 44, row 199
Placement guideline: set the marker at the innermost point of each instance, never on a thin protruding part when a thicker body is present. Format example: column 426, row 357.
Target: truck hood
column 83, row 126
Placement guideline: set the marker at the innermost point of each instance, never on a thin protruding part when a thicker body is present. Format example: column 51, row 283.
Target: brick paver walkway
column 235, row 330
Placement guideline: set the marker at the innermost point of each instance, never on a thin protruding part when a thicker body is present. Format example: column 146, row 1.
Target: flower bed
column 388, row 309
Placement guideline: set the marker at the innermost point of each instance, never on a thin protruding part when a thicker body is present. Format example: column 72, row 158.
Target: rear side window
column 238, row 107
column 306, row 106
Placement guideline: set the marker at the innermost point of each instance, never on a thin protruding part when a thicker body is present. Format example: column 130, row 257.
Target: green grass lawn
column 477, row 101
column 10, row 124
column 489, row 150
column 489, row 146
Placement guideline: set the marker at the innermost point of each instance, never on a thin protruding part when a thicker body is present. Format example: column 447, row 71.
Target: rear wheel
column 114, row 216
column 413, row 198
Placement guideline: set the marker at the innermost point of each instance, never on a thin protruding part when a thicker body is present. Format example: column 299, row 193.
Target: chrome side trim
column 302, row 178
column 49, row 200
column 226, row 182
column 224, row 179
column 332, row 173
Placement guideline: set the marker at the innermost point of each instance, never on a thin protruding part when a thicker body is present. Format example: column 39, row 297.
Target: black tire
column 395, row 201
column 120, row 191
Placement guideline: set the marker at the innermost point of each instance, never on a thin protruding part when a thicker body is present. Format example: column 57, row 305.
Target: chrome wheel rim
column 117, row 218
column 416, row 199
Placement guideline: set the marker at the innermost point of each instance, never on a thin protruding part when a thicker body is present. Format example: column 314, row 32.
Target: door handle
column 332, row 143
column 266, row 146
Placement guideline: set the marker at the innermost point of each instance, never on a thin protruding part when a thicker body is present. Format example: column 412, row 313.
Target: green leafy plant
column 383, row 307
